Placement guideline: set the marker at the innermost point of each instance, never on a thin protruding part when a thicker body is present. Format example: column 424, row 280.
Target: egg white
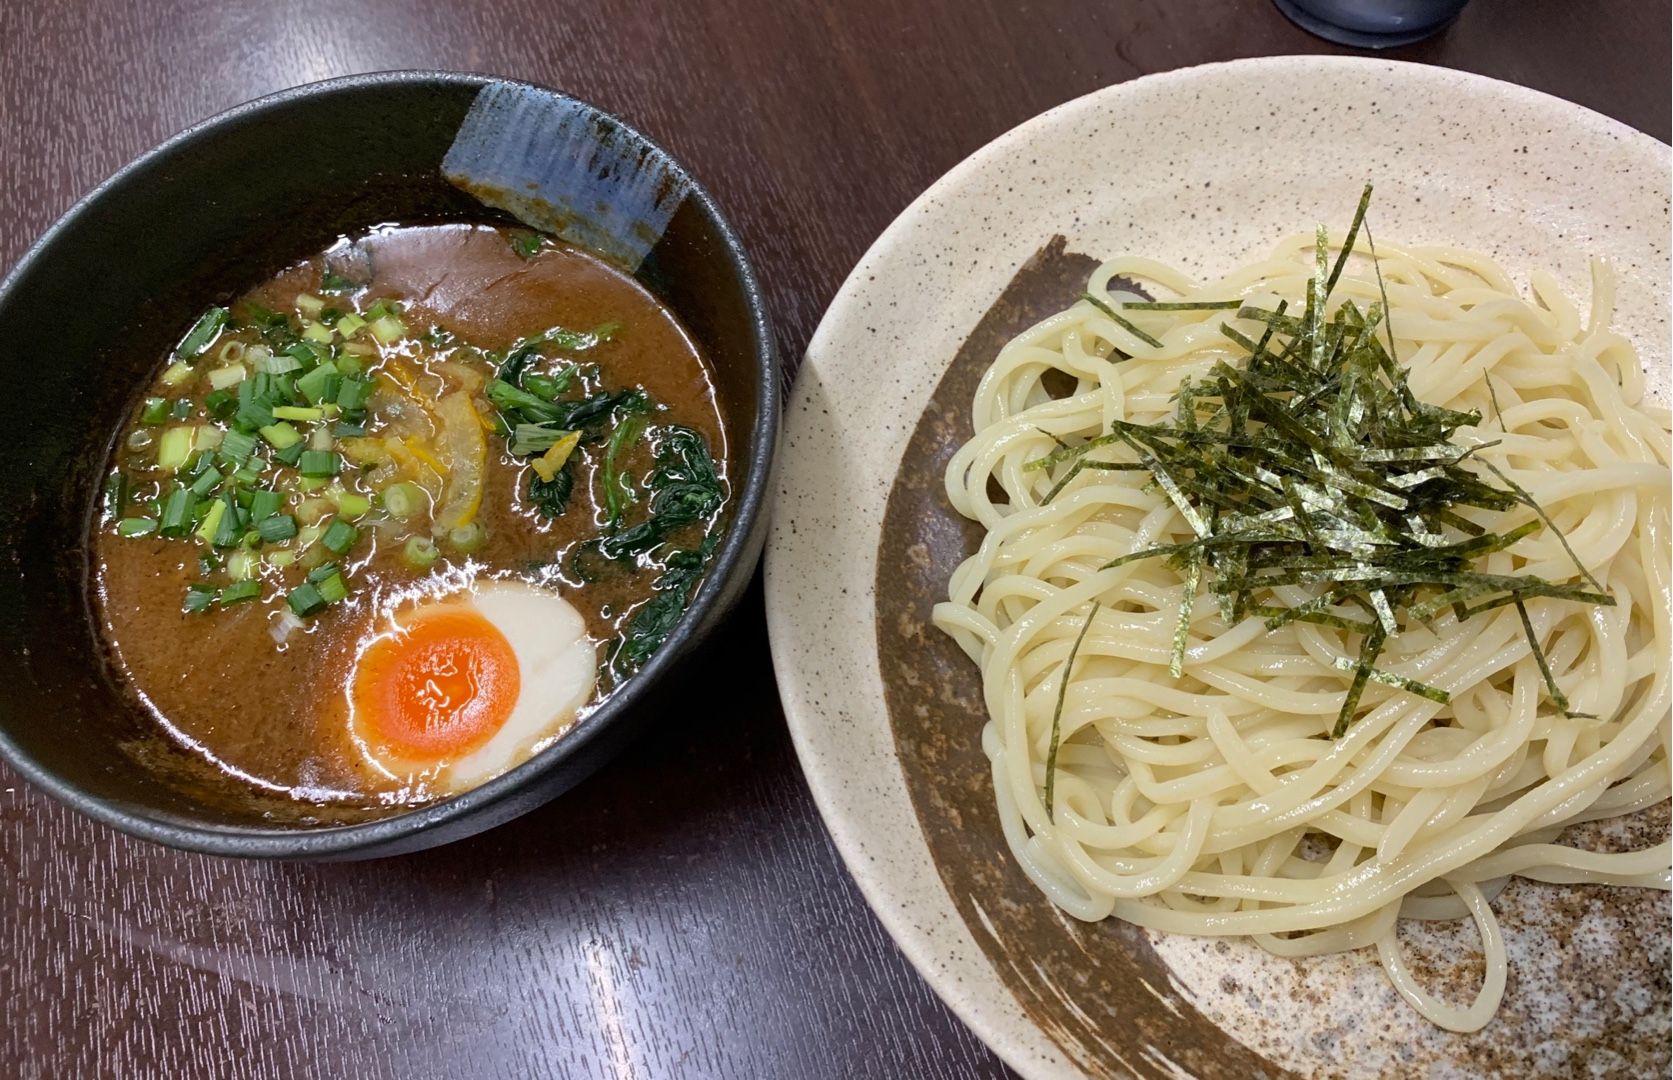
column 557, row 667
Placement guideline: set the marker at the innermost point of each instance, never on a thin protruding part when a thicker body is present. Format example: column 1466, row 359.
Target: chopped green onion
column 350, row 325
column 198, row 598
column 211, row 524
column 264, row 503
column 236, row 447
column 401, row 499
column 239, row 592
column 305, row 600
column 339, row 536
column 320, row 384
column 296, row 412
column 318, row 332
column 116, row 492
column 309, row 305
column 255, row 400
column 332, row 587
column 220, row 404
column 349, row 503
column 154, row 411
column 176, row 373
column 230, row 524
column 291, row 454
column 252, row 416
column 223, row 378
column 312, row 510
column 282, row 364
column 136, row 526
column 202, row 335
column 388, row 329
column 281, row 558
column 276, row 528
column 420, row 553
column 241, row 565
column 321, row 439
column 182, row 408
column 281, row 436
column 467, row 538
column 206, row 481
column 319, row 463
column 233, row 521
column 176, row 514
column 352, row 394
column 175, row 447
column 209, row 437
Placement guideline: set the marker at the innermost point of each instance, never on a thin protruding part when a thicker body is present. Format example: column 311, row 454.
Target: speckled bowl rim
column 824, row 654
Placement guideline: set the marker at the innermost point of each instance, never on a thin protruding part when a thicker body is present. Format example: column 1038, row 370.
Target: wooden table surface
column 683, row 913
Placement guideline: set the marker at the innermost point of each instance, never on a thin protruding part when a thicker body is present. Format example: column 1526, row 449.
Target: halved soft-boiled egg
column 463, row 687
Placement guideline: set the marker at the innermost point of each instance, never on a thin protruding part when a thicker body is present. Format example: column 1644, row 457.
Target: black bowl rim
column 364, row 839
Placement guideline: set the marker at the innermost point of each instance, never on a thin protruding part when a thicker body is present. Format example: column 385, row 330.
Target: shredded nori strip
column 1312, row 463
column 1115, row 316
column 1180, row 305
column 1057, row 713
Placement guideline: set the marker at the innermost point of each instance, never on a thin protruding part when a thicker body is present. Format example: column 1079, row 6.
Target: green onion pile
column 247, row 445
column 1312, row 463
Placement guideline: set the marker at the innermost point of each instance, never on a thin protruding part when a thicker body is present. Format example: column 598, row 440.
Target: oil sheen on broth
column 389, row 523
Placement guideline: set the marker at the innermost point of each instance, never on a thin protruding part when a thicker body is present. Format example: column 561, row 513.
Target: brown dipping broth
column 274, row 712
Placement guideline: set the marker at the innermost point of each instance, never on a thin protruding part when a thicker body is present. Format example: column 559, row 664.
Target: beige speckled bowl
column 1201, row 168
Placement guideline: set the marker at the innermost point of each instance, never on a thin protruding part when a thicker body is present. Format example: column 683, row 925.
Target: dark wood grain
column 683, row 913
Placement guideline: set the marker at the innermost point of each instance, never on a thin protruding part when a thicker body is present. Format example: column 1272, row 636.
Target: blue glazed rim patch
column 560, row 166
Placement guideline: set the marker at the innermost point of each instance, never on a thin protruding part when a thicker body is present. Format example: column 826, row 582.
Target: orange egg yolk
column 438, row 687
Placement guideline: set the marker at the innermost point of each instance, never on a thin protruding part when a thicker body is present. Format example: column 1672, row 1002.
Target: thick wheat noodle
column 1217, row 803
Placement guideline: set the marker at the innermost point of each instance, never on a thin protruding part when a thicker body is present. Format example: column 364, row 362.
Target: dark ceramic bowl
column 90, row 309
